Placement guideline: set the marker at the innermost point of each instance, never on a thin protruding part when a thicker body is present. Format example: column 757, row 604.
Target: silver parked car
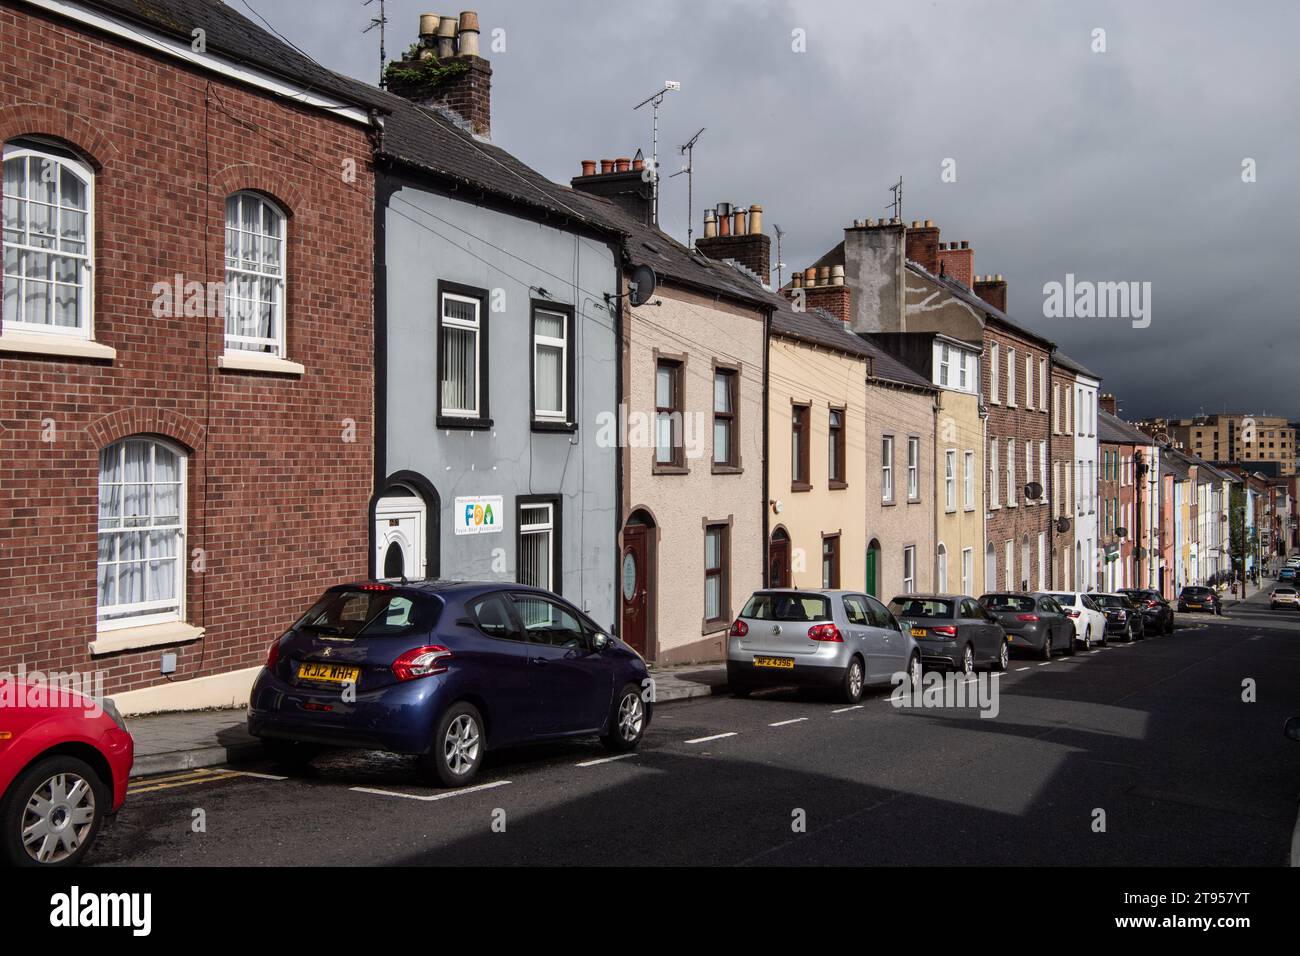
column 840, row 639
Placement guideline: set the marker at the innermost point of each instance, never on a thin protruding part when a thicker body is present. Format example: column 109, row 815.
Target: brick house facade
column 266, row 449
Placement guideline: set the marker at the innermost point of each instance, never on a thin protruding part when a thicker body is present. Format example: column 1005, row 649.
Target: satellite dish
column 1121, row 532
column 643, row 284
column 1033, row 490
column 1062, row 524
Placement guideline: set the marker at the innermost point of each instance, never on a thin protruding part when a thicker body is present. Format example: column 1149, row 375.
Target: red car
column 64, row 765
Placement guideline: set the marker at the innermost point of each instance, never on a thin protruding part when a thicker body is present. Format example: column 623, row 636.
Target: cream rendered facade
column 700, row 335
column 813, row 513
column 959, row 492
column 900, row 493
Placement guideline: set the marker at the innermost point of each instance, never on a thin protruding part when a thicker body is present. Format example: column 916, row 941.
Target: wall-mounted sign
column 482, row 515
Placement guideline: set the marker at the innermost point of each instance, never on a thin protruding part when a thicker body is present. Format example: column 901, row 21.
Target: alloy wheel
column 631, row 715
column 855, row 678
column 461, row 745
column 1004, row 657
column 968, row 661
column 58, row 817
column 914, row 673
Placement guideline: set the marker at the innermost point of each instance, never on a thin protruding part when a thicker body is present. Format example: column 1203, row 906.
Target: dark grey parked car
column 1033, row 621
column 1123, row 616
column 952, row 631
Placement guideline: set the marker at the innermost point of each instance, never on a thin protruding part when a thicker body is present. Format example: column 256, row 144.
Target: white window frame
column 945, row 363
column 1029, row 467
column 995, row 475
column 963, row 373
column 913, row 468
column 1042, row 384
column 547, row 528
column 950, row 479
column 1011, row 472
column 1011, row 378
column 909, row 569
column 995, row 375
column 967, row 569
column 941, row 569
column 1029, row 382
column 143, row 613
column 887, row 468
column 245, row 344
column 86, row 279
column 540, row 414
column 475, row 326
column 969, row 479
column 1042, row 470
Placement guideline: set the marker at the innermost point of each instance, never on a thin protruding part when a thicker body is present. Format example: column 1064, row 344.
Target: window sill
column 62, row 346
column 715, row 627
column 837, row 485
column 669, row 470
column 244, row 361
column 540, row 425
column 138, row 638
column 798, row 487
column 453, row 423
column 728, row 470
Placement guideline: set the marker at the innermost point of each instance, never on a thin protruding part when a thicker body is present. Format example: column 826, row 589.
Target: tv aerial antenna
column 379, row 22
column 670, row 86
column 687, row 149
column 779, row 264
column 897, row 204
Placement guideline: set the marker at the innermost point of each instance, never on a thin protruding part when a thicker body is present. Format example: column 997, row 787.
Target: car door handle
column 538, row 660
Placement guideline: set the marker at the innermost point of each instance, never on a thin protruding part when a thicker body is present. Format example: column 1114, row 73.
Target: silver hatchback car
column 838, row 639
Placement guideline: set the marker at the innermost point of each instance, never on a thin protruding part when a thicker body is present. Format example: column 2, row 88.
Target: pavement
column 1148, row 753
column 191, row 740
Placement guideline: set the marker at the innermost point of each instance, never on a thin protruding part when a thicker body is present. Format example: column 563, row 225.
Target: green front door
column 873, row 563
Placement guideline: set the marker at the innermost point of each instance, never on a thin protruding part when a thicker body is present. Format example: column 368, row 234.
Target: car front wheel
column 627, row 720
column 968, row 660
column 1004, row 658
column 52, row 813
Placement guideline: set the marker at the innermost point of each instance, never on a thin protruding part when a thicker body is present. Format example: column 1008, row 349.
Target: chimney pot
column 999, row 278
column 797, row 280
column 467, row 39
column 916, row 224
column 824, row 275
column 446, row 38
column 837, row 275
column 606, row 166
column 965, row 244
column 755, row 220
column 710, row 224
column 738, row 220
column 623, row 164
column 810, row 277
column 929, row 224
column 871, row 222
column 589, row 167
column 428, row 26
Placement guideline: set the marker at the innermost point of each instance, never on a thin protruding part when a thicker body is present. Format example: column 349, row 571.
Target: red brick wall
column 1022, row 425
column 958, row 263
column 276, row 498
column 835, row 299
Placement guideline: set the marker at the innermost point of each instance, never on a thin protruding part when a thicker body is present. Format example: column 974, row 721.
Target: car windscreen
column 788, row 607
column 1003, row 603
column 921, row 608
column 356, row 612
column 1062, row 598
column 1111, row 600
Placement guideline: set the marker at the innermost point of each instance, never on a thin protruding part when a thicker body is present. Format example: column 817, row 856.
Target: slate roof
column 960, row 291
column 1063, row 360
column 239, row 38
column 1116, row 431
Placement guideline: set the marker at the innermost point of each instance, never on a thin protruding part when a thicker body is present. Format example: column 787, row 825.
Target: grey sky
column 1124, row 165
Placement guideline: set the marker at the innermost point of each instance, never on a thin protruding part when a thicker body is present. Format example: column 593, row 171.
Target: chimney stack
column 445, row 71
column 1106, row 402
column 957, row 262
column 923, row 245
column 993, row 290
column 738, row 235
column 621, row 181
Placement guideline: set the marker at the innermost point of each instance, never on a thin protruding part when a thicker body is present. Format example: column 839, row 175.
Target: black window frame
column 570, row 424
column 800, row 456
column 732, row 466
column 837, row 448
column 483, row 420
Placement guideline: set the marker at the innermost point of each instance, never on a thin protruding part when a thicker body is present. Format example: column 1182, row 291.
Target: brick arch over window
column 245, row 177
column 126, row 422
column 35, row 119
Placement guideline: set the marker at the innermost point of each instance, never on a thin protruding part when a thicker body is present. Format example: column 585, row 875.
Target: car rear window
column 1063, row 598
column 1284, row 591
column 1196, row 592
column 921, row 608
column 1007, row 602
column 1111, row 600
column 356, row 612
column 788, row 607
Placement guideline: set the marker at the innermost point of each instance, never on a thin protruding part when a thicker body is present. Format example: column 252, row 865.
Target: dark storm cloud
column 1123, row 165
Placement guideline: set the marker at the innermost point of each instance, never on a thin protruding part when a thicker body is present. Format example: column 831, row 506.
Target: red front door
column 636, row 576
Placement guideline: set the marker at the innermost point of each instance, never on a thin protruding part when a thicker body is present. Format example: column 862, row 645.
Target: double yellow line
column 187, row 779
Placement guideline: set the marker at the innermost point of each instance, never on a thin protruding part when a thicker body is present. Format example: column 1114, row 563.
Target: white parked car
column 1089, row 619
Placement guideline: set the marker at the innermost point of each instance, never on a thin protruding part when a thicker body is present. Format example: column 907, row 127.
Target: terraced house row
column 267, row 328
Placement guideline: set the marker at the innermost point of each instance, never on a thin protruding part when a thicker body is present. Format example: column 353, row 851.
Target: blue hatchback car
column 446, row 670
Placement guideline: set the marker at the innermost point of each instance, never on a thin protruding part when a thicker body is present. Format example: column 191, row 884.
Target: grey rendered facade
column 515, row 259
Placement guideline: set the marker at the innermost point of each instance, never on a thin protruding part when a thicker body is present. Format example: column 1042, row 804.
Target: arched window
column 255, row 268
column 941, row 569
column 48, row 236
column 141, row 533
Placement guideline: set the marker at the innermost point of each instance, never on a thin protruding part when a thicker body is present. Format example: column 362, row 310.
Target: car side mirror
column 1292, row 728
column 599, row 641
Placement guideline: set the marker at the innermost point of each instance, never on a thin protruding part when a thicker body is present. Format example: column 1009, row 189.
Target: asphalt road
column 1154, row 735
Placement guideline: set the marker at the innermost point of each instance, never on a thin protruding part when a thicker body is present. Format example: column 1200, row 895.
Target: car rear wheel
column 1004, row 657
column 968, row 660
column 1045, row 652
column 854, row 679
column 1087, row 638
column 458, row 746
column 52, row 813
column 1069, row 642
column 627, row 720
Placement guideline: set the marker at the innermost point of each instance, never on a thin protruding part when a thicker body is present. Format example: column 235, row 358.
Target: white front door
column 399, row 538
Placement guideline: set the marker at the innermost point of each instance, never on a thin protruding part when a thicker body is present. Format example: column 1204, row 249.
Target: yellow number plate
column 781, row 663
column 918, row 632
column 328, row 673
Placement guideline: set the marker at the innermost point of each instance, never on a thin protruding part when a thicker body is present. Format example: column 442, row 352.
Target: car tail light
column 825, row 632
column 1026, row 617
column 1150, row 603
column 273, row 655
column 739, row 629
column 947, row 630
column 422, row 662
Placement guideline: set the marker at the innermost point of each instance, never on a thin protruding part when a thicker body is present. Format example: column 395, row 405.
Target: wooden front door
column 778, row 563
column 636, row 579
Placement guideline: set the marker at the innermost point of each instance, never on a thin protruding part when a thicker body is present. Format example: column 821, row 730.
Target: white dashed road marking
column 1025, row 668
column 600, row 760
column 430, row 797
column 782, row 723
column 844, row 710
column 704, row 740
column 258, row 776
